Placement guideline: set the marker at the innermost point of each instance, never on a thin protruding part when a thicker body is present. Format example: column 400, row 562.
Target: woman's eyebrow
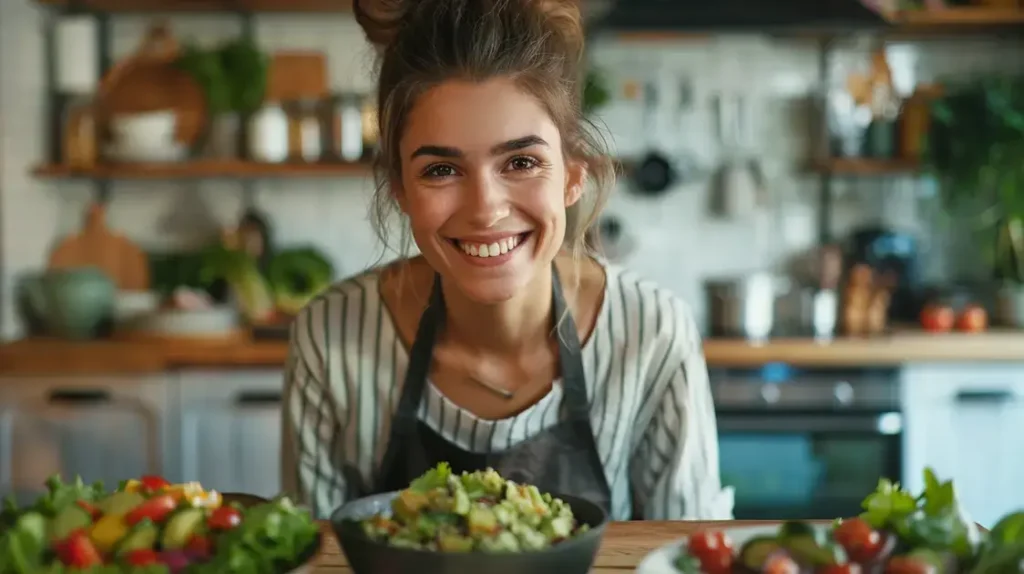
column 504, row 147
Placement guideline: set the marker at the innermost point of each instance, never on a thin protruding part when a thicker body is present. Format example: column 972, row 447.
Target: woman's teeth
column 490, row 249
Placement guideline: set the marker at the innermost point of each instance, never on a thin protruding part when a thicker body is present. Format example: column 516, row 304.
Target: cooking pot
column 744, row 306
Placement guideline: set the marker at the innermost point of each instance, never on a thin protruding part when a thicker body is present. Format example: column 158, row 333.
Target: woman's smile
column 492, row 250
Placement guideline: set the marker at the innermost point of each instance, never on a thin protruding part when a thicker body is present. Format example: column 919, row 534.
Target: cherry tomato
column 79, row 552
column 89, row 508
column 860, row 541
column 851, row 568
column 937, row 318
column 155, row 509
column 151, row 483
column 200, row 545
column 909, row 565
column 142, row 557
column 973, row 319
column 717, row 561
column 780, row 564
column 224, row 518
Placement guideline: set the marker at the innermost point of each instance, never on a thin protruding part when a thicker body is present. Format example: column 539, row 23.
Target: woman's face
column 485, row 186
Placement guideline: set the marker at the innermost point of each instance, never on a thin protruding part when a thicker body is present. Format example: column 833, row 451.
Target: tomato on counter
column 973, row 319
column 937, row 318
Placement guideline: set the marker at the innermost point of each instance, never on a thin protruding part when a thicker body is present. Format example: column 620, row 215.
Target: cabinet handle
column 79, row 396
column 984, row 397
column 258, row 398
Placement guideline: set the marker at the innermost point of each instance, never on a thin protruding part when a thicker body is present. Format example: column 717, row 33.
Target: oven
column 806, row 443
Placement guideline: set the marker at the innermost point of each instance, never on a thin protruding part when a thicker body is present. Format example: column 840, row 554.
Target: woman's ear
column 575, row 177
column 398, row 193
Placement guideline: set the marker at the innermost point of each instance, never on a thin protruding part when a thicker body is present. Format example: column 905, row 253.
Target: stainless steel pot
column 745, row 306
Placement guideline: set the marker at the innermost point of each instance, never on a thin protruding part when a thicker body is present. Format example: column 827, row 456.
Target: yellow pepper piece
column 132, row 486
column 107, row 531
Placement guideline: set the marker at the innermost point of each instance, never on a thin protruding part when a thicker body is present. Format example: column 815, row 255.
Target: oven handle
column 883, row 423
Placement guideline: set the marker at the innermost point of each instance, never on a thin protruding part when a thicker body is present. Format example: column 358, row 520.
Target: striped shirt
column 651, row 406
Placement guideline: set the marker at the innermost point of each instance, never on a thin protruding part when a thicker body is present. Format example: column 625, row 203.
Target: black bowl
column 365, row 556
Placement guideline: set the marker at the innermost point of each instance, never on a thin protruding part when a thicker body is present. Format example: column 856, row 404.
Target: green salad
column 149, row 526
column 479, row 511
column 898, row 533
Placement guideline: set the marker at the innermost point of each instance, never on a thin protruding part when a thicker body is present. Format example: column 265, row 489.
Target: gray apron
column 561, row 459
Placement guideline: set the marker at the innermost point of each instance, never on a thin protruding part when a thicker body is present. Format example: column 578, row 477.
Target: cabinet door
column 966, row 423
column 105, row 429
column 231, row 430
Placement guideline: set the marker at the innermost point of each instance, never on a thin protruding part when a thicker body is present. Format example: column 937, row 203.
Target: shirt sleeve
column 311, row 436
column 675, row 471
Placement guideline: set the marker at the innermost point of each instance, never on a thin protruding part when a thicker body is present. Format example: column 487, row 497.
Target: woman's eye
column 522, row 163
column 439, row 170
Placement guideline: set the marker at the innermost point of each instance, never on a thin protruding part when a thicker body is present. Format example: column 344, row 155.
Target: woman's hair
column 536, row 43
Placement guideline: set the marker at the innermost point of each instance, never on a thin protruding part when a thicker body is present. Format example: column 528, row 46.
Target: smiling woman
column 504, row 344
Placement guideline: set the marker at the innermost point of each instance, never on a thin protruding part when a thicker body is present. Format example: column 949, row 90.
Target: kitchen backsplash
column 674, row 240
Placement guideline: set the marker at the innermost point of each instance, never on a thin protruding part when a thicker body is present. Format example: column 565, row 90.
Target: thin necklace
column 504, row 393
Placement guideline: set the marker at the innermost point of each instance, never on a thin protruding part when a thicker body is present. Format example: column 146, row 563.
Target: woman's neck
column 521, row 321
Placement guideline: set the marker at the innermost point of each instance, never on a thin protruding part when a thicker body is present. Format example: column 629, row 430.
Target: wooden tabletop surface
column 56, row 357
column 624, row 545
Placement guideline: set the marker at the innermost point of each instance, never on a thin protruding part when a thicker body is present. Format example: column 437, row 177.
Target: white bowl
column 148, row 130
column 214, row 322
column 661, row 560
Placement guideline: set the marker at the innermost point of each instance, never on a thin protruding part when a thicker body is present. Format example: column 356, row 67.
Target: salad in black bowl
column 470, row 522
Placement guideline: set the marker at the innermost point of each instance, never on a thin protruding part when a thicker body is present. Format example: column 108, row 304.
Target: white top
column 651, row 406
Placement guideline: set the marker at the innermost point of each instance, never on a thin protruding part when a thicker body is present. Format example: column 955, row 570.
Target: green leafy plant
column 233, row 75
column 976, row 150
column 596, row 92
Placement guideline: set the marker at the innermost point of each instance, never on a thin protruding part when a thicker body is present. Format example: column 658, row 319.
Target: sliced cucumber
column 181, row 527
column 755, row 552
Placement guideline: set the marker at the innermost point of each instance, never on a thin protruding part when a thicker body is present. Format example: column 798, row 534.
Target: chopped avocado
column 68, row 520
column 120, row 503
column 454, row 543
column 181, row 527
column 756, row 551
column 481, row 520
column 142, row 537
column 462, row 503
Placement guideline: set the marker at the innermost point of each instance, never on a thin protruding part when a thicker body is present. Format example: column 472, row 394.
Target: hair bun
column 565, row 19
column 380, row 19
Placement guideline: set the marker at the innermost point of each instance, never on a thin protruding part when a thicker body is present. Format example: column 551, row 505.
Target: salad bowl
column 367, row 556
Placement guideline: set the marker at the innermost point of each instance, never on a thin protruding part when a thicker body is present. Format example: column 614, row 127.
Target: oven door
column 799, row 464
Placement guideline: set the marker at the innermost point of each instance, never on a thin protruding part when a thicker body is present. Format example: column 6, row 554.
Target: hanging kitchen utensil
column 97, row 246
column 655, row 173
column 686, row 163
column 736, row 188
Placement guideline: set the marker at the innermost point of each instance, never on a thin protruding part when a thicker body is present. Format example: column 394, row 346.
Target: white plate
column 660, row 561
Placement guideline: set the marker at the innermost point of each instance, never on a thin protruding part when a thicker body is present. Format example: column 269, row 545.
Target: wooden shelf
column 955, row 17
column 206, row 170
column 283, row 6
column 866, row 166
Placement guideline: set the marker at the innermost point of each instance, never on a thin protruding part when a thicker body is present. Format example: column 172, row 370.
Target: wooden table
column 625, row 544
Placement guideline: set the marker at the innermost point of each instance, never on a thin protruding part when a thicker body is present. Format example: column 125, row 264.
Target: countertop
column 55, row 357
column 625, row 544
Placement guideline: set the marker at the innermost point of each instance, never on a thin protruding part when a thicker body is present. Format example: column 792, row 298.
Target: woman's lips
column 493, row 252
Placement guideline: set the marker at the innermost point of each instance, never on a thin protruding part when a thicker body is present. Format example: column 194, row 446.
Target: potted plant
column 976, row 149
column 234, row 77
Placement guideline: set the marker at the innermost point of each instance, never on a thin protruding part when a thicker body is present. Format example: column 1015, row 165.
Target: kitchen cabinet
column 101, row 428
column 967, row 422
column 230, row 430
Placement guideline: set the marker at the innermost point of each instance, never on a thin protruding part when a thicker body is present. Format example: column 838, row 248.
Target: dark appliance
column 894, row 255
column 806, row 444
column 741, row 15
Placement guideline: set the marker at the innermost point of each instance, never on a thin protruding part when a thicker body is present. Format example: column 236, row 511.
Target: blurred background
column 836, row 188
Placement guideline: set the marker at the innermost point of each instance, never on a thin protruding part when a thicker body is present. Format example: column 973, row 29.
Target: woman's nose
column 487, row 201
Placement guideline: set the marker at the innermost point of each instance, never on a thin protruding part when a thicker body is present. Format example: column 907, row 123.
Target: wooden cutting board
column 97, row 246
